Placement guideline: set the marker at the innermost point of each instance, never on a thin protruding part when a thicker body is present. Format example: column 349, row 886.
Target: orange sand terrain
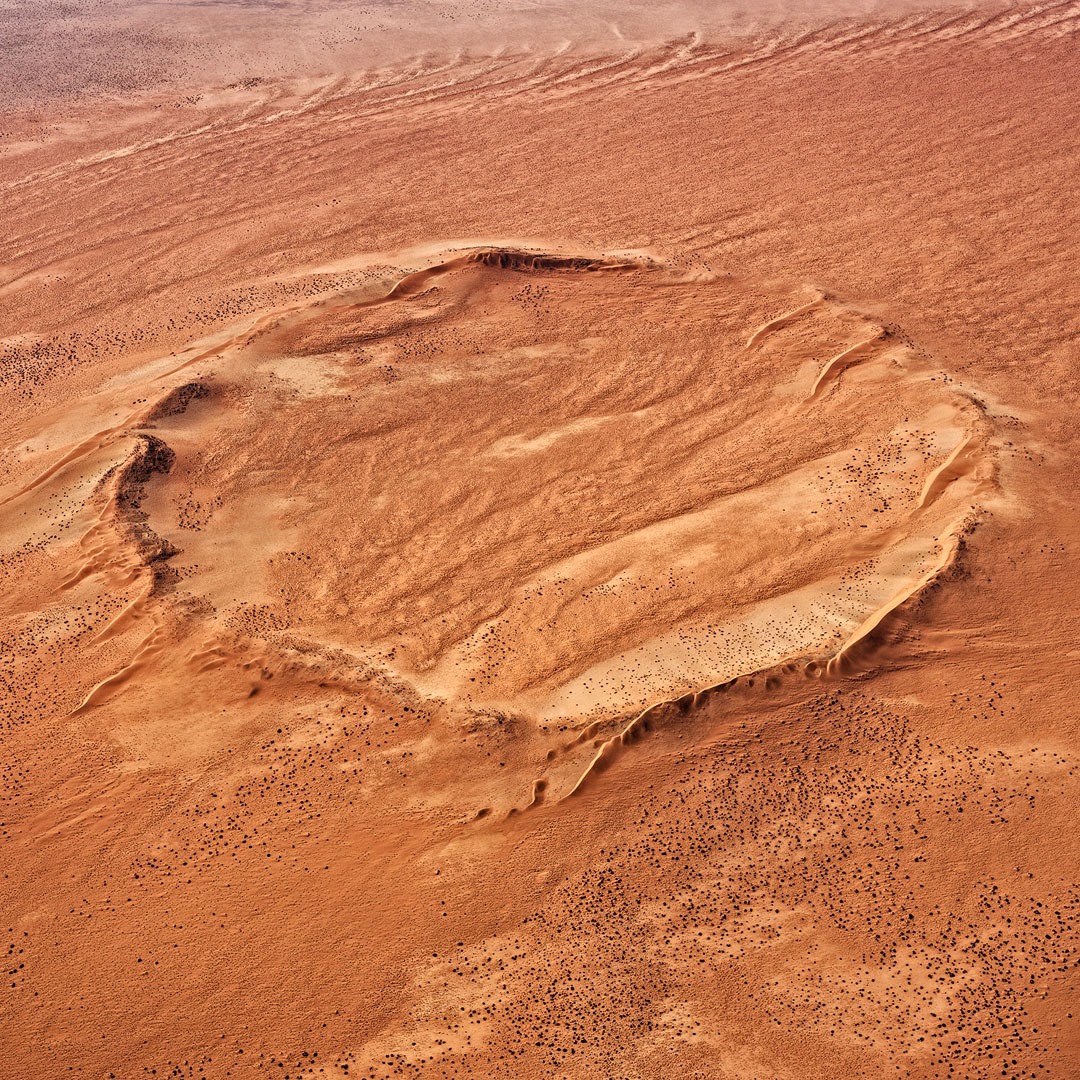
column 539, row 540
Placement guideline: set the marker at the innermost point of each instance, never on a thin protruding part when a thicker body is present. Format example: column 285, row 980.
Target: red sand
column 539, row 544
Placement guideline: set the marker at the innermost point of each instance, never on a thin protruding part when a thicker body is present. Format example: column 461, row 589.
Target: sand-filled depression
column 561, row 487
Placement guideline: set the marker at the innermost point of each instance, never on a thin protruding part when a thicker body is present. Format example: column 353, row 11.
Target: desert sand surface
column 539, row 540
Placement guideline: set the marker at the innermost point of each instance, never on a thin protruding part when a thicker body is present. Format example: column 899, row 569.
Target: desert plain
column 539, row 540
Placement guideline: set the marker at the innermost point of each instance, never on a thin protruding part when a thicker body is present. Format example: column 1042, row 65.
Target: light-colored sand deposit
column 539, row 541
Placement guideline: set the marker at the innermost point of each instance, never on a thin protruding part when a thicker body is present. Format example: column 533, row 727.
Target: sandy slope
column 551, row 555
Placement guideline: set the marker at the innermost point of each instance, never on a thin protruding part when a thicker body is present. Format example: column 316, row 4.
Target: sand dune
column 538, row 541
